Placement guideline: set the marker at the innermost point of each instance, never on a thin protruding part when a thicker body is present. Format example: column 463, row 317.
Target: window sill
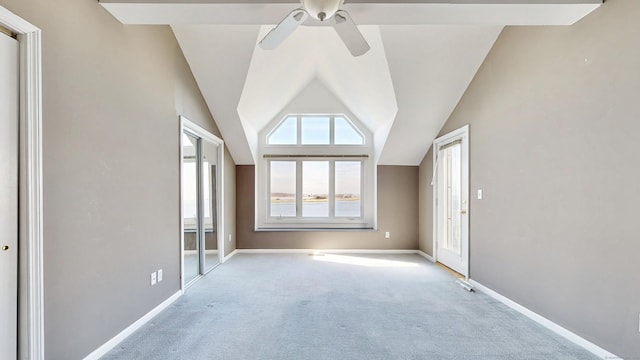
column 305, row 229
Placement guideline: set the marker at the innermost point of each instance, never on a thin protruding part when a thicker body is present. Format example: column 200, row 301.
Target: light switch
column 479, row 194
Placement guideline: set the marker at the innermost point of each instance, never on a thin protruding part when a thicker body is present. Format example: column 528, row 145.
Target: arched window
column 315, row 172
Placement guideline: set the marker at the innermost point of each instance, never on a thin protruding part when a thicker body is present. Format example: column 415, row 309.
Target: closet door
column 202, row 201
column 191, row 207
column 9, row 195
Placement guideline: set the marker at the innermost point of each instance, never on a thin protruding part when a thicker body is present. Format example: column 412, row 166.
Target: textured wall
column 554, row 135
column 111, row 99
column 397, row 213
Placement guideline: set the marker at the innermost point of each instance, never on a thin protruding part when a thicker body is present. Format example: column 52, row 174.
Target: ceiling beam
column 371, row 12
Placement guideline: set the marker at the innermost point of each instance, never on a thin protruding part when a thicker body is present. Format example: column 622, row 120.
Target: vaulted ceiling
column 424, row 54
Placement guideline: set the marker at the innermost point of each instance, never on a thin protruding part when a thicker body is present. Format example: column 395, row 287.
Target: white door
column 451, row 200
column 8, row 196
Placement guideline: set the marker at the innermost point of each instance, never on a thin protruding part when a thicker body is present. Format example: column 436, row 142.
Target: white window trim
column 301, row 152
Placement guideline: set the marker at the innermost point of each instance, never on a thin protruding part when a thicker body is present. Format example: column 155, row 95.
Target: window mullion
column 332, row 189
column 299, row 188
column 299, row 129
column 332, row 130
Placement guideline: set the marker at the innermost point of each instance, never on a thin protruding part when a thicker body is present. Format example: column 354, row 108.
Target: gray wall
column 554, row 133
column 397, row 209
column 112, row 95
column 425, row 204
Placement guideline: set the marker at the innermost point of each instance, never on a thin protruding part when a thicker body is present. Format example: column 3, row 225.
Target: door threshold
column 444, row 267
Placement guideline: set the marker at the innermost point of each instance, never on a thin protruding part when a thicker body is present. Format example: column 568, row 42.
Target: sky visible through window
column 283, row 177
column 345, row 134
column 315, row 130
column 286, row 133
column 315, row 188
column 315, row 177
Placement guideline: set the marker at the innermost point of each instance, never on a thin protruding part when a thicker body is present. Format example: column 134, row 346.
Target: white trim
column 232, row 254
column 325, row 251
column 567, row 334
column 109, row 345
column 461, row 133
column 426, row 256
column 31, row 298
column 186, row 124
column 180, row 210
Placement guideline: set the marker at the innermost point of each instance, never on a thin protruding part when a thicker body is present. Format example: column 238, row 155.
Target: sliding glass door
column 201, row 201
column 190, row 207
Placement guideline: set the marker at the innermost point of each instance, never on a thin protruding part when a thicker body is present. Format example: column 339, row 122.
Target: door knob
column 463, row 212
column 5, row 247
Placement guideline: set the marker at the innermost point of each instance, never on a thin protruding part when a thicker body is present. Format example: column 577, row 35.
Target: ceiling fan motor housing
column 321, row 9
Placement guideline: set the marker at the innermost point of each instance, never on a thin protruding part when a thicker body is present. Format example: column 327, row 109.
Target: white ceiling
column 424, row 54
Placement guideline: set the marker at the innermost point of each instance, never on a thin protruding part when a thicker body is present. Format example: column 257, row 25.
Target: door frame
column 458, row 134
column 186, row 124
column 30, row 256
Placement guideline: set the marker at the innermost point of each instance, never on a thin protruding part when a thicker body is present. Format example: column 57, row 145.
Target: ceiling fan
column 322, row 10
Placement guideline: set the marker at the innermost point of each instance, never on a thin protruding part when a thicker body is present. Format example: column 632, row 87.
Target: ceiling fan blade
column 279, row 33
column 350, row 34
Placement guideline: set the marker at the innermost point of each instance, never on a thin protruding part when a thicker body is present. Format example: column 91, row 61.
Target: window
column 286, row 133
column 283, row 188
column 315, row 130
column 346, row 134
column 316, row 173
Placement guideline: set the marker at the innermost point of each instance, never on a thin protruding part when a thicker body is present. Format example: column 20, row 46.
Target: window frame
column 311, row 152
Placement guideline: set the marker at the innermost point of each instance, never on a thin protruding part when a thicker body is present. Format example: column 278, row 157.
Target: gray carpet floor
column 339, row 307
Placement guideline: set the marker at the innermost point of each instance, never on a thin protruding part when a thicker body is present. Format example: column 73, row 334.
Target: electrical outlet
column 153, row 278
column 159, row 275
column 387, row 235
column 229, row 237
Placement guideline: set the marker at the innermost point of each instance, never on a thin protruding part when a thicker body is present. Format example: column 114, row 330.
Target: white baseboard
column 327, row 251
column 106, row 347
column 231, row 254
column 425, row 255
column 567, row 334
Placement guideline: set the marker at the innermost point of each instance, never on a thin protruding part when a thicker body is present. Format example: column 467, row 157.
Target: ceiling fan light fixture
column 321, row 9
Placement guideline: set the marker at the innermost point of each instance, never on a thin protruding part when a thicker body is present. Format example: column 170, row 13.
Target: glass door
column 201, row 200
column 210, row 254
column 451, row 200
column 190, row 207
